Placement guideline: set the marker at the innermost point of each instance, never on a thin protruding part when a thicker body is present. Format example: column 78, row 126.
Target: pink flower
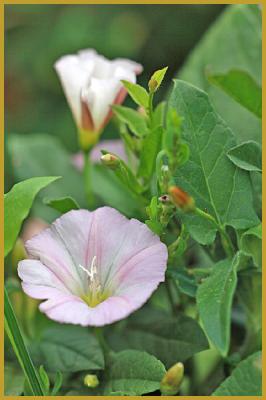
column 93, row 268
column 115, row 146
column 92, row 84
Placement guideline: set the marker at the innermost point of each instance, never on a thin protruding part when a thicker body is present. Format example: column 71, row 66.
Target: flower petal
column 73, row 76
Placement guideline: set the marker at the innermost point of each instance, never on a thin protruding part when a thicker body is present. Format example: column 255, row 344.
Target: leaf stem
column 170, row 295
column 17, row 342
column 87, row 180
column 150, row 107
column 225, row 238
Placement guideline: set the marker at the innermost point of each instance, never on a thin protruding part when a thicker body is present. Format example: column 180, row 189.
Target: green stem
column 101, row 339
column 87, row 180
column 225, row 238
column 17, row 342
column 170, row 295
column 150, row 107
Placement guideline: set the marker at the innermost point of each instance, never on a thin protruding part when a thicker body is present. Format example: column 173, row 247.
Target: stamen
column 92, row 271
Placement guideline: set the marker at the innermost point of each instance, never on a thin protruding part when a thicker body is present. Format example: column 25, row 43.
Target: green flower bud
column 170, row 384
column 110, row 160
column 91, row 381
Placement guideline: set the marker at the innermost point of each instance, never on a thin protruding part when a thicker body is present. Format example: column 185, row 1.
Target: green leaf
column 132, row 371
column 168, row 339
column 57, row 384
column 45, row 380
column 232, row 42
column 14, row 380
column 247, row 156
column 150, row 148
column 251, row 244
column 68, row 349
column 135, row 120
column 137, row 93
column 216, row 184
column 241, row 87
column 18, row 203
column 157, row 78
column 245, row 380
column 63, row 204
column 17, row 342
column 214, row 299
column 185, row 281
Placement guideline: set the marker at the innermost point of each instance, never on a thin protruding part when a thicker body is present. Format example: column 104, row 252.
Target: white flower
column 92, row 84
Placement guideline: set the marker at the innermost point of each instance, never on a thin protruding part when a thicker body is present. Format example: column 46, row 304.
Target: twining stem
column 88, row 180
column 225, row 238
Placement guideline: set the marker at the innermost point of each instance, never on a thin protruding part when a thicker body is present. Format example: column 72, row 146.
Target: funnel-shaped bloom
column 93, row 268
column 92, row 84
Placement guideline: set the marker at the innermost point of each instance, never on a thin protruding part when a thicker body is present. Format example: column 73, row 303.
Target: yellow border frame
column 4, row 2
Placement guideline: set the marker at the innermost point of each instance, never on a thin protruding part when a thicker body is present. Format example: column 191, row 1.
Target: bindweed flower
column 92, row 84
column 93, row 268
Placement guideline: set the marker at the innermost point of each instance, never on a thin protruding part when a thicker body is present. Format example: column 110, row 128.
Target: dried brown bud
column 181, row 199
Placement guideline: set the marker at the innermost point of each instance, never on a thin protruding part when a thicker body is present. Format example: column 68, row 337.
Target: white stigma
column 92, row 271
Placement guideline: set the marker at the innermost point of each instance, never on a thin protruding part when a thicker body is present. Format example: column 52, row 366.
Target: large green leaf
column 245, row 380
column 232, row 42
column 241, row 87
column 68, row 349
column 217, row 185
column 18, row 203
column 247, row 155
column 133, row 372
column 214, row 299
column 167, row 338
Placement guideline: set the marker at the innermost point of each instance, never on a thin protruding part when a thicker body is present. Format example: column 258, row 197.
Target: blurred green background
column 35, row 36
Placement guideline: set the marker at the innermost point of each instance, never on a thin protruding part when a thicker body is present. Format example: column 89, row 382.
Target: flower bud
column 110, row 160
column 181, row 199
column 91, row 381
column 171, row 381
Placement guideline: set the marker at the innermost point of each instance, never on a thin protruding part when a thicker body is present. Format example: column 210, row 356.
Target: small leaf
column 156, row 79
column 241, row 87
column 169, row 339
column 150, row 149
column 214, row 299
column 63, row 204
column 137, row 93
column 18, row 203
column 133, row 372
column 185, row 282
column 247, row 156
column 57, row 384
column 45, row 379
column 68, row 349
column 135, row 121
column 245, row 380
column 251, row 244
